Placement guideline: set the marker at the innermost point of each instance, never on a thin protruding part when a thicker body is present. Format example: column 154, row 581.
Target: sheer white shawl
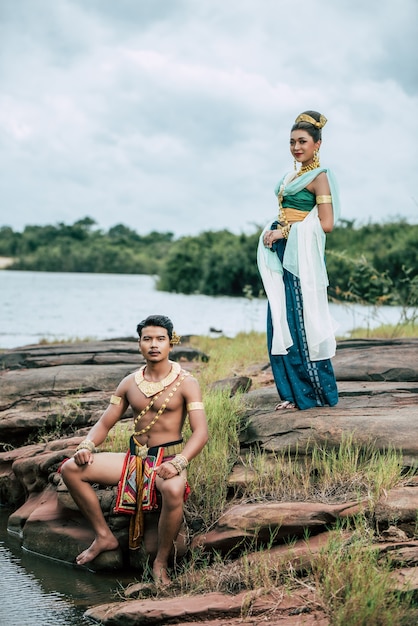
column 303, row 257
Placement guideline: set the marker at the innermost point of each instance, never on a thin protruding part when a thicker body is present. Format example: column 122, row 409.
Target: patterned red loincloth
column 138, row 477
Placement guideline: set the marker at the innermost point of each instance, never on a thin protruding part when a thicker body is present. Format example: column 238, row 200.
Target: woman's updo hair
column 312, row 122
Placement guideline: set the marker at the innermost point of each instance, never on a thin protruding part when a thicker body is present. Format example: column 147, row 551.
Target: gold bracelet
column 194, row 406
column 86, row 445
column 285, row 231
column 176, row 465
column 323, row 199
column 115, row 400
column 180, row 462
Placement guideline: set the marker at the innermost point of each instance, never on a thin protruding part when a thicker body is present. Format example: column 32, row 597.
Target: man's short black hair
column 156, row 320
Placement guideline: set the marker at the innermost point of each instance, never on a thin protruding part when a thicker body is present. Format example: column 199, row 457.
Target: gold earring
column 315, row 160
column 294, row 165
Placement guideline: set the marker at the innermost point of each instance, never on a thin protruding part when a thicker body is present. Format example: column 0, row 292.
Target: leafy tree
column 375, row 263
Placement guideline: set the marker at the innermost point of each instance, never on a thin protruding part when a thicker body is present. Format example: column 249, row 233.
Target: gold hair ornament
column 175, row 338
column 304, row 117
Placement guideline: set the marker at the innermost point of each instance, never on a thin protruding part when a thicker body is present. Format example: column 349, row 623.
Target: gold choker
column 308, row 168
column 150, row 388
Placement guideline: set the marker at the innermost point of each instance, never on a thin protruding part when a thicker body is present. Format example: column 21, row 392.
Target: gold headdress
column 175, row 338
column 303, row 117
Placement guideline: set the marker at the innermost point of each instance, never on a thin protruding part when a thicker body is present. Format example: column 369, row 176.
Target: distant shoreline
column 5, row 261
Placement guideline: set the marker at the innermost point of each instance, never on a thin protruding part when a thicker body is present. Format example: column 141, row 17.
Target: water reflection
column 36, row 590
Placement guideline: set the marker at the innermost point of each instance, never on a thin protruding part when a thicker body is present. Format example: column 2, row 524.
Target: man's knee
column 173, row 491
column 68, row 469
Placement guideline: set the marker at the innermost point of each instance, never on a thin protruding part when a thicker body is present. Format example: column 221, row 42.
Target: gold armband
column 193, row 406
column 115, row 400
column 324, row 199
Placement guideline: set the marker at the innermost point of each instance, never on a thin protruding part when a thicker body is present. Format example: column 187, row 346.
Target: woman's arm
column 320, row 187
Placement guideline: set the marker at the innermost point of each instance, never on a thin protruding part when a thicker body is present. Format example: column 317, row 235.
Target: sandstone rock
column 69, row 387
column 270, row 522
column 11, row 489
column 233, row 384
column 59, row 380
column 386, row 419
column 405, row 579
column 377, row 359
column 210, row 606
column 399, row 506
column 87, row 353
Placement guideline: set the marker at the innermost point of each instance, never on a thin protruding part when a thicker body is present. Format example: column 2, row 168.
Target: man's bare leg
column 171, row 518
column 106, row 470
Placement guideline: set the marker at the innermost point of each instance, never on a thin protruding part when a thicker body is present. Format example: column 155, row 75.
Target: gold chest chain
column 160, row 410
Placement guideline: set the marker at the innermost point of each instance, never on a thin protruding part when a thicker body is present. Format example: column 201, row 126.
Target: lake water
column 36, row 591
column 65, row 306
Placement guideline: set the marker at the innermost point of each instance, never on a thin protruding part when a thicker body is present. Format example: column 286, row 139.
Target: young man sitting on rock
column 161, row 395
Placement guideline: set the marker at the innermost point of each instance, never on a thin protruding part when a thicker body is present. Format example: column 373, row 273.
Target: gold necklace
column 312, row 165
column 150, row 388
column 160, row 410
column 307, row 168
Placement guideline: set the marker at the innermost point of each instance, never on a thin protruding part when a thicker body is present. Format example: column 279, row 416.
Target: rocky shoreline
column 67, row 387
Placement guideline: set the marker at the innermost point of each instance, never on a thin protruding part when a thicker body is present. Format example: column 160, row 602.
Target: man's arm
column 197, row 419
column 199, row 437
column 98, row 433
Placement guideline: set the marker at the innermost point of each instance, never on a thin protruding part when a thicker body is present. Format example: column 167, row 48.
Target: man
column 160, row 394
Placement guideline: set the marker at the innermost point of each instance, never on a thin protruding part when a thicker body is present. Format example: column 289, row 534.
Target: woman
column 300, row 330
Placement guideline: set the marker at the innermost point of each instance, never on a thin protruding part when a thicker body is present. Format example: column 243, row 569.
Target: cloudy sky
column 174, row 115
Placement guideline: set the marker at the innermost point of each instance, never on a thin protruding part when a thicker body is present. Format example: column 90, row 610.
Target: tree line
column 373, row 263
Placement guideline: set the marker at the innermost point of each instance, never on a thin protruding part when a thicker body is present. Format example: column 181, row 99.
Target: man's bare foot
column 98, row 546
column 159, row 572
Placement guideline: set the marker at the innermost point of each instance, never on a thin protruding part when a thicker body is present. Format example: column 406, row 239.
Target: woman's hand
column 270, row 236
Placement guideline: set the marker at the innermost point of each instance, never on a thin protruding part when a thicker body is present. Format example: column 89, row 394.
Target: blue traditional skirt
column 299, row 380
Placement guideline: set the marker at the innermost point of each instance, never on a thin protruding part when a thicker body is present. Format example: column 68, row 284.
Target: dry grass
column 230, row 357
column 407, row 330
column 348, row 580
column 346, row 473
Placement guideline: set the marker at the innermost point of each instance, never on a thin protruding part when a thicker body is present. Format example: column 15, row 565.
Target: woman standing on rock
column 300, row 330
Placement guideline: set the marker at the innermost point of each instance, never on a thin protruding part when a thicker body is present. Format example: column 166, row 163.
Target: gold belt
column 142, row 450
column 294, row 215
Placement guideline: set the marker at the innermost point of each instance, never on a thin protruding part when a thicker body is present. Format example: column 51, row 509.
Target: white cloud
column 176, row 115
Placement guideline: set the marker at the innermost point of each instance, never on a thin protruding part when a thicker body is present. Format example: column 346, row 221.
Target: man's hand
column 83, row 457
column 166, row 470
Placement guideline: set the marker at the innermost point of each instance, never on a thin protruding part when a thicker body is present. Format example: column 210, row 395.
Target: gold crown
column 303, row 117
column 175, row 338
